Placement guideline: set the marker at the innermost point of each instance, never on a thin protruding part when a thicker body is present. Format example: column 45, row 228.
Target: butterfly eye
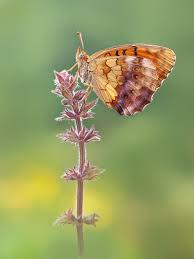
column 81, row 55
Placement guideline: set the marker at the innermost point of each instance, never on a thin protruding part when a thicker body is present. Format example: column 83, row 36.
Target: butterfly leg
column 71, row 68
column 88, row 92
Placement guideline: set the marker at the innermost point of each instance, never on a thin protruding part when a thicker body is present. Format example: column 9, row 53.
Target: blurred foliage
column 145, row 198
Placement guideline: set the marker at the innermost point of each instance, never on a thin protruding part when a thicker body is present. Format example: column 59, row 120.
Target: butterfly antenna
column 81, row 39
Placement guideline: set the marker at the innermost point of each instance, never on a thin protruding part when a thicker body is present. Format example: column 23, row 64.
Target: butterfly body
column 126, row 77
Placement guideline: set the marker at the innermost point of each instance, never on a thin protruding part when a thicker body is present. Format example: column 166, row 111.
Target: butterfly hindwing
column 126, row 77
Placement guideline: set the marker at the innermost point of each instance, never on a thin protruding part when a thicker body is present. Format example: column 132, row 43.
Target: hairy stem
column 76, row 109
column 82, row 161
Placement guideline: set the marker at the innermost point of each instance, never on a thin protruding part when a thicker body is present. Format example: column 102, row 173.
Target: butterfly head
column 81, row 56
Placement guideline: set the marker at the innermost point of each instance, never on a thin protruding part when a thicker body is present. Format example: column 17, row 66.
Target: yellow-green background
column 146, row 196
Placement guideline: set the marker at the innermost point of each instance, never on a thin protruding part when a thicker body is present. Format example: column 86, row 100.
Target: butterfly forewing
column 126, row 77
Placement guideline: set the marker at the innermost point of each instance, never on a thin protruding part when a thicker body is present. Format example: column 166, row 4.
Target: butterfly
column 125, row 77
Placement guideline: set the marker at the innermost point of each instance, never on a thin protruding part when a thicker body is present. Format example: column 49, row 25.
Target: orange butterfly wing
column 127, row 76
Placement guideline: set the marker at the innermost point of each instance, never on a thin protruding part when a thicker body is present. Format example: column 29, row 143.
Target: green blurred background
column 146, row 196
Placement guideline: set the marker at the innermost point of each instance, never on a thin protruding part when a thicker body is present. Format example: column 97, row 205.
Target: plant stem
column 80, row 236
column 80, row 239
column 82, row 160
column 75, row 108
